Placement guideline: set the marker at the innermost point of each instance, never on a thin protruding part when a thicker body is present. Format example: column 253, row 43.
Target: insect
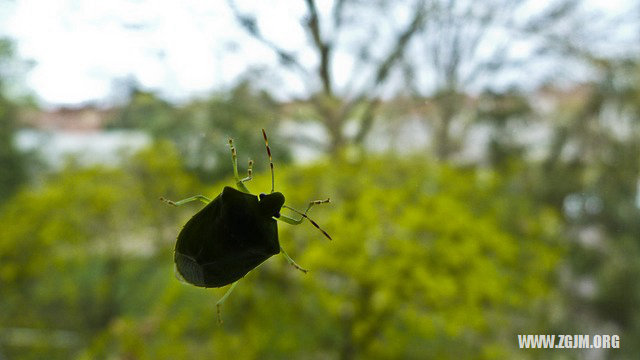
column 233, row 233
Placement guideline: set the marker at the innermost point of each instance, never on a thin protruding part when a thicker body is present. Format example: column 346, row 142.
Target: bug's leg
column 234, row 161
column 223, row 298
column 202, row 198
column 291, row 262
column 303, row 215
column 249, row 172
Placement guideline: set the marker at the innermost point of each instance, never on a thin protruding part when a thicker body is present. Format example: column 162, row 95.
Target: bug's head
column 270, row 204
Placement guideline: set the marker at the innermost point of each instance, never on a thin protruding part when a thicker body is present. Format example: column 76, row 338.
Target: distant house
column 78, row 133
column 81, row 119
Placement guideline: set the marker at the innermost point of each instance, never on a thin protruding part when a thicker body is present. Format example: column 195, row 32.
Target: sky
column 82, row 49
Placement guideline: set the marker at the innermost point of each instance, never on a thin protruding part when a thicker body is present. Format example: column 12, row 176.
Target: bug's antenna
column 266, row 142
column 234, row 158
column 308, row 218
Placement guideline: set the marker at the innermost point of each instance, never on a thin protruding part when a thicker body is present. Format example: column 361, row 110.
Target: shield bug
column 233, row 233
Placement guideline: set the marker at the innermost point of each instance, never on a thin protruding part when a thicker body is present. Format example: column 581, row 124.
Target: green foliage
column 71, row 250
column 427, row 262
column 439, row 254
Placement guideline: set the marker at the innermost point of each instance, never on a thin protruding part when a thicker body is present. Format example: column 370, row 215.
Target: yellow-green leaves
column 426, row 261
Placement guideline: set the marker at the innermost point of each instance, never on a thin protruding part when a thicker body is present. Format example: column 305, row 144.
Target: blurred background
column 482, row 158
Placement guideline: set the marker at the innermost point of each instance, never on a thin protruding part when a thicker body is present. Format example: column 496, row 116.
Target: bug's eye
column 262, row 195
column 277, row 215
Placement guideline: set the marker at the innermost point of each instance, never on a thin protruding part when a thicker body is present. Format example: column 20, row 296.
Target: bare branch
column 401, row 43
column 367, row 120
column 334, row 110
column 249, row 24
column 337, row 14
column 313, row 25
column 382, row 72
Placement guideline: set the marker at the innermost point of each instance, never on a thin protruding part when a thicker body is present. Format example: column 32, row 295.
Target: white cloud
column 81, row 46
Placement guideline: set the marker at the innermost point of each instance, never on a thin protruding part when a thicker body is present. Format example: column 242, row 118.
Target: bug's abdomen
column 218, row 273
column 189, row 269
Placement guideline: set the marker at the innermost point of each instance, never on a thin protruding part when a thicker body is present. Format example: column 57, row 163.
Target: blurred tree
column 144, row 110
column 490, row 48
column 356, row 28
column 200, row 128
column 427, row 262
column 441, row 53
column 506, row 113
column 78, row 251
column 592, row 174
column 12, row 161
column 239, row 114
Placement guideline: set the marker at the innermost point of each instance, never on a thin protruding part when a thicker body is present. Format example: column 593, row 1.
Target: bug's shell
column 225, row 240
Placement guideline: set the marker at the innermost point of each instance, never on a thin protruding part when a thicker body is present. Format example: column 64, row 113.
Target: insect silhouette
column 233, row 233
